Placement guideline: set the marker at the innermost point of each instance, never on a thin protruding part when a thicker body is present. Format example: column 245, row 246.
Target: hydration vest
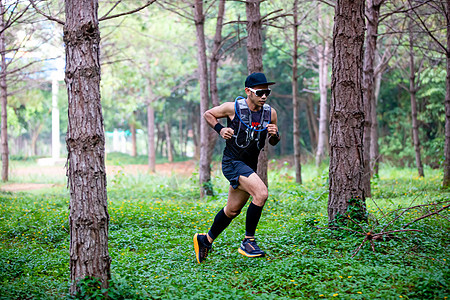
column 248, row 131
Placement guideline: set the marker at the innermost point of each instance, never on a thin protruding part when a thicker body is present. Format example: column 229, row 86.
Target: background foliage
column 151, row 56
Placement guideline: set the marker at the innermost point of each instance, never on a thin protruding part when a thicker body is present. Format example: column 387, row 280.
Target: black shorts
column 232, row 169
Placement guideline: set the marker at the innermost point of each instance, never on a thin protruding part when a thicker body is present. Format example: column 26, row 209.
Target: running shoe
column 249, row 248
column 200, row 248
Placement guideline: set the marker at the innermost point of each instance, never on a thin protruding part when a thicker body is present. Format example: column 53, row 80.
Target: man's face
column 254, row 99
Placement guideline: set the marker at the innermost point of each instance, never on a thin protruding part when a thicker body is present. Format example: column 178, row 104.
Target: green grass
column 153, row 219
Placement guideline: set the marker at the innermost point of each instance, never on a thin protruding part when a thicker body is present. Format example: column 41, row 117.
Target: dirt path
column 185, row 168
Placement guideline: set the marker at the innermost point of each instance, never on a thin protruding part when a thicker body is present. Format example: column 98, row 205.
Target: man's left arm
column 272, row 129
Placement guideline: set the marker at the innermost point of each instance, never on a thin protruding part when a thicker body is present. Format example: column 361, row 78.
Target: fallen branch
column 427, row 215
column 336, row 227
column 371, row 237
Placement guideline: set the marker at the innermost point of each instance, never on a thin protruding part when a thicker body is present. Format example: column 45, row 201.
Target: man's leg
column 203, row 242
column 236, row 200
column 258, row 190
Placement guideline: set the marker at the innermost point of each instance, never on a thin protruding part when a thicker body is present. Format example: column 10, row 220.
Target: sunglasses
column 260, row 93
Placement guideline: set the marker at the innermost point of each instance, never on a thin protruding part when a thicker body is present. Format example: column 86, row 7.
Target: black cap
column 255, row 79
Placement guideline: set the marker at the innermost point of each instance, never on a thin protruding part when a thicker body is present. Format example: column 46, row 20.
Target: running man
column 248, row 123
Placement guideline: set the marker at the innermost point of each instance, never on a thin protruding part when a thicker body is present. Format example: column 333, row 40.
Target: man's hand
column 272, row 129
column 226, row 133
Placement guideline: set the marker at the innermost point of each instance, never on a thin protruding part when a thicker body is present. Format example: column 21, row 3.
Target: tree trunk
column 205, row 160
column 133, row 139
column 374, row 148
column 181, row 133
column 295, row 104
column 372, row 14
column 347, row 111
column 446, row 178
column 255, row 64
column 214, row 63
column 312, row 121
column 160, row 138
column 4, row 97
column 151, row 138
column 168, row 142
column 412, row 93
column 323, row 82
column 215, row 57
column 85, row 140
column 195, row 130
column 34, row 138
column 254, row 38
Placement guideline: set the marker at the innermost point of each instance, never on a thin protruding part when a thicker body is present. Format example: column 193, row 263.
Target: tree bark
column 312, row 121
column 255, row 64
column 85, row 141
column 323, row 83
column 446, row 178
column 151, row 138
column 160, row 138
column 347, row 111
column 295, row 104
column 205, row 160
column 412, row 93
column 214, row 63
column 372, row 15
column 34, row 138
column 215, row 57
column 181, row 133
column 195, row 129
column 374, row 147
column 133, row 139
column 168, row 142
column 4, row 97
column 254, row 38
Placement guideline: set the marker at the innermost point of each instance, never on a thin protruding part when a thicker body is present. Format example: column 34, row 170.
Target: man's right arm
column 212, row 115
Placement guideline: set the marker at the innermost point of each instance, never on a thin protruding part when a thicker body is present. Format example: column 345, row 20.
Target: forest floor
column 153, row 218
column 184, row 168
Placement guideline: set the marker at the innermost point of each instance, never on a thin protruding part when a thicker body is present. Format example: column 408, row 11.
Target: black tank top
column 241, row 148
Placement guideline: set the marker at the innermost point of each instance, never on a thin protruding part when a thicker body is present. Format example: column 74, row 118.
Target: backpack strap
column 242, row 110
column 243, row 113
column 267, row 116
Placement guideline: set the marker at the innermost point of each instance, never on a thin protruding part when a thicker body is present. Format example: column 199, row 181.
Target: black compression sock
column 221, row 221
column 253, row 215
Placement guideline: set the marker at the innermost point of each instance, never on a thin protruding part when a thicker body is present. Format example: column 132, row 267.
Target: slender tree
column 255, row 64
column 216, row 55
column 383, row 52
column 151, row 136
column 205, row 164
column 12, row 13
column 440, row 12
column 446, row 179
column 132, row 124
column 4, row 96
column 323, row 52
column 413, row 89
column 347, row 111
column 372, row 17
column 295, row 104
column 207, row 137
